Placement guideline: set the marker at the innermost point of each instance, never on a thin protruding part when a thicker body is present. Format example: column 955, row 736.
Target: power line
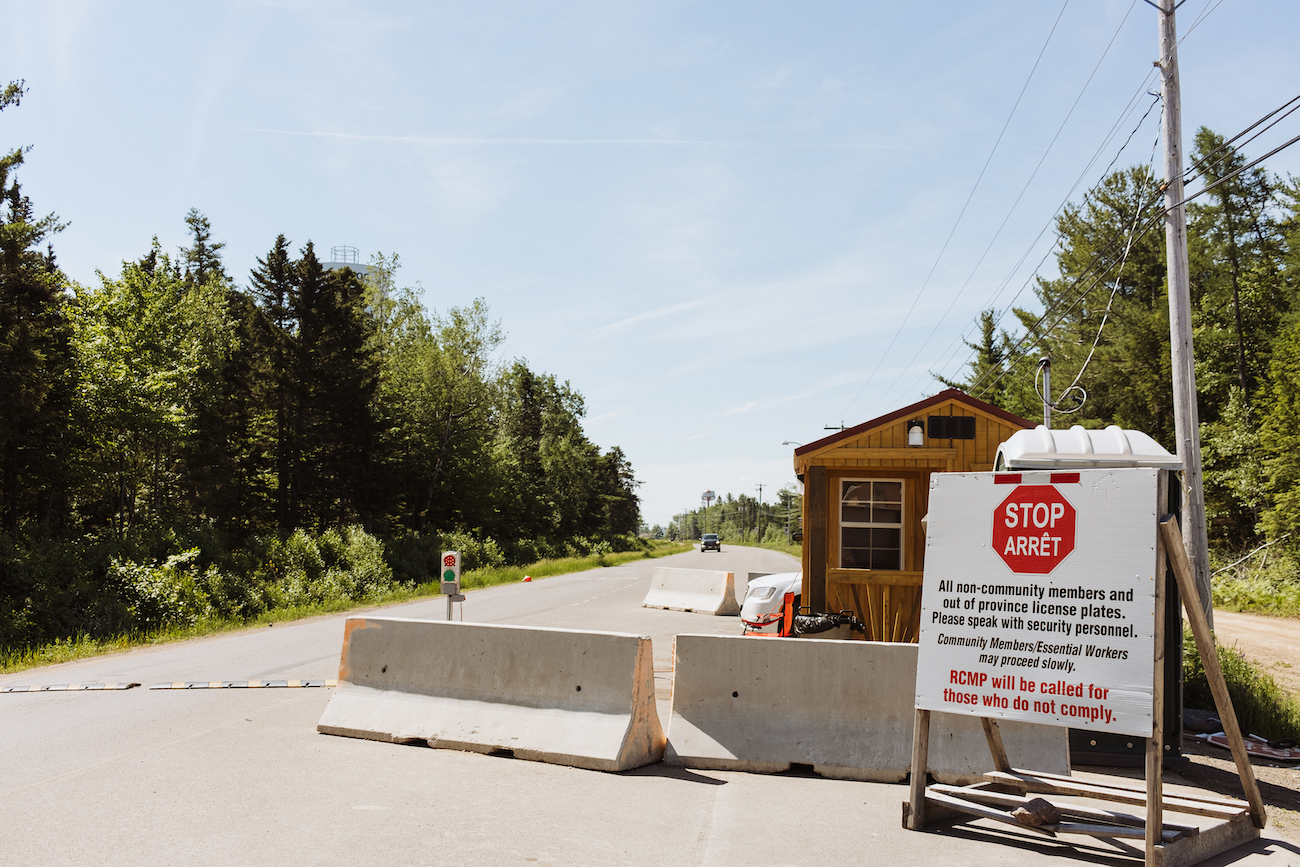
column 1199, row 169
column 1206, row 11
column 1016, row 203
column 1010, row 305
column 962, row 213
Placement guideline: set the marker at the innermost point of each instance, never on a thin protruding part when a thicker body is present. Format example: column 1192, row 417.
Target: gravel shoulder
column 1273, row 642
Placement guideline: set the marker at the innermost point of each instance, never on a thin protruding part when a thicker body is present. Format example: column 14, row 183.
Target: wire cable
column 1052, row 219
column 962, row 213
column 1014, row 205
column 1206, row 11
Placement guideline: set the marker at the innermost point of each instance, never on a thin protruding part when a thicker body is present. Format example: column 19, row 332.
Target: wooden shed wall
column 888, row 602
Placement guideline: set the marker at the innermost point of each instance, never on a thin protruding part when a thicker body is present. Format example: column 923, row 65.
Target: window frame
column 901, row 526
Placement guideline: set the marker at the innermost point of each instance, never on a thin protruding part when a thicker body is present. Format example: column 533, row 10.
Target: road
column 1272, row 642
column 228, row 776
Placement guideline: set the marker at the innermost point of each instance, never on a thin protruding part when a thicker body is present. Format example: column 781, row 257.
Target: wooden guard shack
column 866, row 491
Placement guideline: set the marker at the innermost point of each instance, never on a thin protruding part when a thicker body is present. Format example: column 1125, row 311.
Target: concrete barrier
column 704, row 591
column 569, row 697
column 844, row 707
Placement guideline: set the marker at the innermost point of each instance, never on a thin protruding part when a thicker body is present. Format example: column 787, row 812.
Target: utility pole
column 1186, row 417
column 758, row 517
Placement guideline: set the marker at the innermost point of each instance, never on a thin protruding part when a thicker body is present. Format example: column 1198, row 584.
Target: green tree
column 226, row 462
column 338, row 375
column 274, row 290
column 141, row 342
column 36, row 371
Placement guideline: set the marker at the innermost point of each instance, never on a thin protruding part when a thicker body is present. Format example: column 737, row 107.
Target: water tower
column 346, row 257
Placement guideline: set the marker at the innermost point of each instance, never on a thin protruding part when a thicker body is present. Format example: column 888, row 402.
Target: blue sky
column 722, row 222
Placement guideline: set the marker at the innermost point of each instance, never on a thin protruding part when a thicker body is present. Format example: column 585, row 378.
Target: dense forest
column 1104, row 322
column 176, row 443
column 742, row 520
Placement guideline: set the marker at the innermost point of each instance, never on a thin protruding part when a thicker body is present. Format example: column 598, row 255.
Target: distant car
column 710, row 541
column 761, row 611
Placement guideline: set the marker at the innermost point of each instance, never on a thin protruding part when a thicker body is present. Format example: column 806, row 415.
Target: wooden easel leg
column 920, row 764
column 994, row 736
column 1173, row 540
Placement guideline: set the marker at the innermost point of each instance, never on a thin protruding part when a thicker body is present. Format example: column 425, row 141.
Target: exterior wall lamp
column 915, row 433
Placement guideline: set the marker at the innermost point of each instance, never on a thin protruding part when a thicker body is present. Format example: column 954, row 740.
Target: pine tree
column 36, row 368
column 274, row 287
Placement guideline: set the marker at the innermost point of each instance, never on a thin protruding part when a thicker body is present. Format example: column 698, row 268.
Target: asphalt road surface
column 240, row 776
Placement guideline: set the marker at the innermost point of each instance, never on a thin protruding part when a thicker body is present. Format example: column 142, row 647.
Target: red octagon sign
column 1033, row 529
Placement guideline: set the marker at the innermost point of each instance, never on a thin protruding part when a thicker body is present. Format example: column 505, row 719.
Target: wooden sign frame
column 1166, row 844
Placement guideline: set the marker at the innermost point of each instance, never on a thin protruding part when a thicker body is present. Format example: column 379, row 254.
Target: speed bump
column 67, row 687
column 244, row 684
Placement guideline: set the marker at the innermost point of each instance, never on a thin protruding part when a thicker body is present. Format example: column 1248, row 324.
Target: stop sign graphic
column 1033, row 529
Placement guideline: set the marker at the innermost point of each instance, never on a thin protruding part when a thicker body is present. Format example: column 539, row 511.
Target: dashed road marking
column 68, row 687
column 244, row 684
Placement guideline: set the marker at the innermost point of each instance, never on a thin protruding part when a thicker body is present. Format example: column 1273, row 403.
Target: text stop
column 1034, row 529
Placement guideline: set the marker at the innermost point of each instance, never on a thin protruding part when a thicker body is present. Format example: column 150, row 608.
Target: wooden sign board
column 1041, row 603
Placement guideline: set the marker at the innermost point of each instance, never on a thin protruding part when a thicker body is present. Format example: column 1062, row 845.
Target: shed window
column 871, row 524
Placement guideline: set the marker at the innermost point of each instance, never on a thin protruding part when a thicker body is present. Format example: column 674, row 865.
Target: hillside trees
column 1243, row 271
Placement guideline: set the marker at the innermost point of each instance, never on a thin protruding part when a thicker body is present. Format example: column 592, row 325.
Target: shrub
column 1267, row 584
column 1261, row 706
column 168, row 593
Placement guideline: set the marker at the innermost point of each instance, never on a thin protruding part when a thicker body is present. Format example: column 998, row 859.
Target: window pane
column 888, row 492
column 855, row 558
column 886, row 515
column 885, row 539
column 856, row 537
column 856, row 514
column 858, row 492
column 884, row 560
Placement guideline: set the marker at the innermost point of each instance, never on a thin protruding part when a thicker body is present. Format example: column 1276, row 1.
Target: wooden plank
column 1155, row 759
column 857, row 607
column 915, row 818
column 984, row 812
column 996, row 749
column 1073, row 811
column 1210, row 842
column 1109, row 831
column 1177, row 803
column 1122, row 785
column 815, row 535
column 923, row 455
column 875, row 577
column 1210, row 661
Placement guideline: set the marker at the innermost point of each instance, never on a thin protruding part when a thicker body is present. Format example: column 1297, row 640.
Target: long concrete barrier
column 844, row 707
column 703, row 591
column 569, row 697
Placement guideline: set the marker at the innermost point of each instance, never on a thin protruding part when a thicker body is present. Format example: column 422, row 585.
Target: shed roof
column 942, row 397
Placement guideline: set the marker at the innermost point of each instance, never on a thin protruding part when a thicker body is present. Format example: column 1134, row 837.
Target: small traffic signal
column 450, row 573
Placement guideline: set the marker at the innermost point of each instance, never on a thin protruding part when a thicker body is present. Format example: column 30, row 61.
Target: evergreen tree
column 334, row 427
column 36, row 370
column 202, row 258
column 274, row 288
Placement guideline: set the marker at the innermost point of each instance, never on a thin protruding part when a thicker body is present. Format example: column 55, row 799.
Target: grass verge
column 1264, row 581
column 1262, row 707
column 85, row 646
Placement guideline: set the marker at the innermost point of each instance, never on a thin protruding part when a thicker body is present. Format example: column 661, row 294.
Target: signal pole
column 1186, row 417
